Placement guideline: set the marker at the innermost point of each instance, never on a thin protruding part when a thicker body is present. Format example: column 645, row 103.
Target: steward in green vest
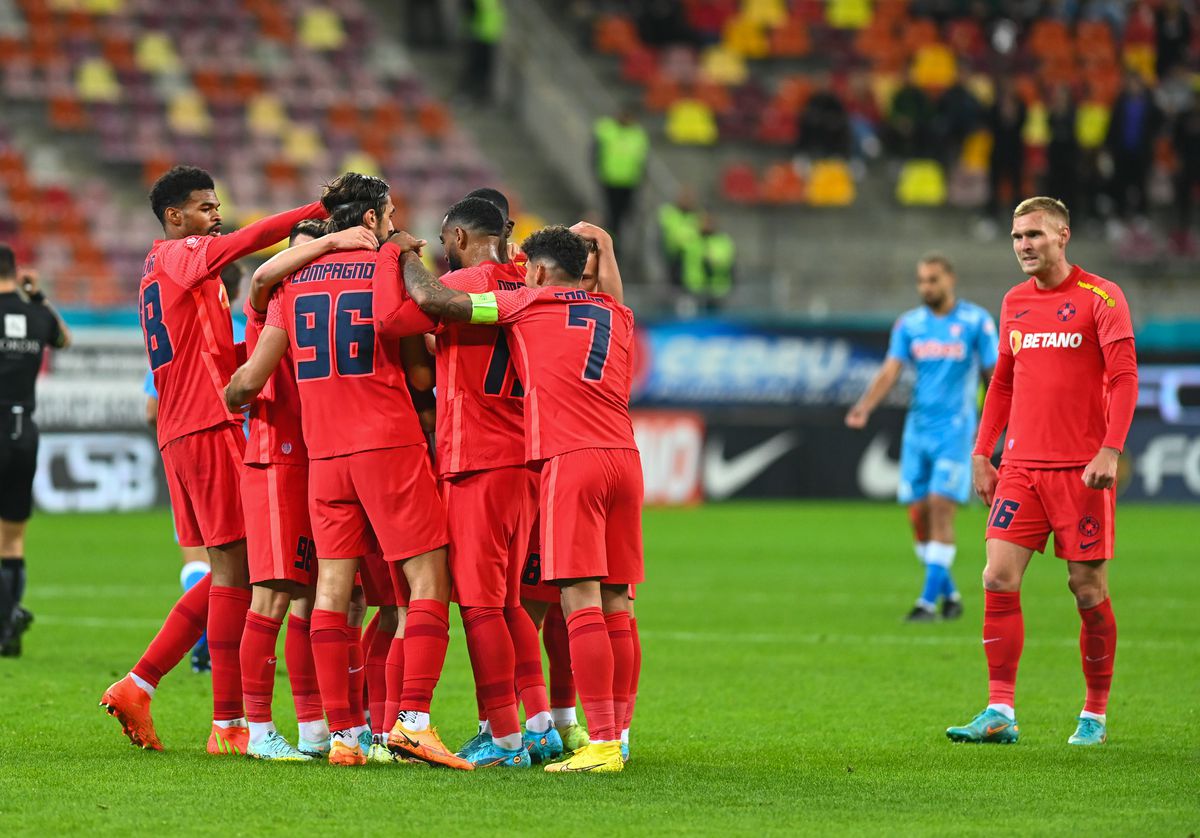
column 484, row 21
column 620, row 151
column 678, row 222
column 708, row 265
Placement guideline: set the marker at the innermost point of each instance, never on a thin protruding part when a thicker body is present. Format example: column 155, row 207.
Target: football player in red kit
column 189, row 339
column 1065, row 387
column 575, row 359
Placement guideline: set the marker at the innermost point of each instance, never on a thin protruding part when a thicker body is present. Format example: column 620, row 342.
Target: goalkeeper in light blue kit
column 950, row 343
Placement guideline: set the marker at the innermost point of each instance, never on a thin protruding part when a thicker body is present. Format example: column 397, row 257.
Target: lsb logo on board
column 96, row 473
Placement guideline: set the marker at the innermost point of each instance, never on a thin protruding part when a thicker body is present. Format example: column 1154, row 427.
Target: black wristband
column 38, row 297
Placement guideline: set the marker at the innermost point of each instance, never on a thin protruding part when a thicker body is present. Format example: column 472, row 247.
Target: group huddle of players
column 513, row 488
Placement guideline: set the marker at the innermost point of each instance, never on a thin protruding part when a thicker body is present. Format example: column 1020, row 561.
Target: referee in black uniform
column 27, row 326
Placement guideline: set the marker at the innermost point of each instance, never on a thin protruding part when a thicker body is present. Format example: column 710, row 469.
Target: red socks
column 637, row 672
column 558, row 651
column 531, row 683
column 1003, row 640
column 592, row 663
column 302, row 671
column 426, row 636
column 179, row 633
column 227, row 609
column 1098, row 645
column 621, row 639
column 258, row 665
column 493, row 662
column 395, row 681
column 331, row 652
column 357, row 672
column 377, row 655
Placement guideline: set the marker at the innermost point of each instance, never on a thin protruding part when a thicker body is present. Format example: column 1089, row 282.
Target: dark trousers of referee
column 18, row 463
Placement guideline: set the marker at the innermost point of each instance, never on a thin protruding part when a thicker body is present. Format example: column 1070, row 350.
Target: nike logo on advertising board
column 878, row 473
column 723, row 477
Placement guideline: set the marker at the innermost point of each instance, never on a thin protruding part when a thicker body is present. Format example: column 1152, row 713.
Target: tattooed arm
column 433, row 297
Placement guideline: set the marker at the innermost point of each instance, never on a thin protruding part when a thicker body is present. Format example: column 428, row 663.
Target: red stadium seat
column 739, row 184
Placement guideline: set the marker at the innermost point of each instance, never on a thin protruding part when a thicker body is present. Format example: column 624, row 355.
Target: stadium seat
column 691, row 122
column 96, row 82
column 976, row 152
column 266, row 116
column 724, row 66
column 791, row 40
column 934, row 67
column 746, row 38
column 766, row 13
column 967, row 189
column 187, row 114
column 1036, row 131
column 1091, row 124
column 320, row 29
column 848, row 14
column 830, row 184
column 660, row 94
column 778, row 126
column 156, row 54
column 922, row 183
column 739, row 184
column 782, row 184
column 615, row 35
column 639, row 65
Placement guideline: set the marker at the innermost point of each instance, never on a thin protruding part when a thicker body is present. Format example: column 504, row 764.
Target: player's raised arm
column 287, row 262
column 426, row 291
column 252, row 376
column 395, row 314
column 608, row 273
column 879, row 387
column 262, row 233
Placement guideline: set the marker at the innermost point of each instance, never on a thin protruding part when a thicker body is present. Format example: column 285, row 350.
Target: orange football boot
column 228, row 740
column 130, row 705
column 426, row 746
column 342, row 754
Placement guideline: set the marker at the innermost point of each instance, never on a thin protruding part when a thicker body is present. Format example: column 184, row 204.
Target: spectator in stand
column 619, row 157
column 862, row 110
column 424, row 24
column 909, row 121
column 1007, row 169
column 708, row 265
column 678, row 223
column 958, row 116
column 663, row 22
column 1062, row 152
column 824, row 124
column 1172, row 36
column 1136, row 121
column 485, row 21
column 707, row 18
column 1186, row 137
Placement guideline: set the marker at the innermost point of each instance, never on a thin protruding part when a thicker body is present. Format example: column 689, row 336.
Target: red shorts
column 591, row 506
column 279, row 543
column 533, row 586
column 489, row 514
column 389, row 490
column 1032, row 503
column 378, row 582
column 204, row 473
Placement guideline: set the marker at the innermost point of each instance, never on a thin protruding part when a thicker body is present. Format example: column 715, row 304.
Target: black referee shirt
column 26, row 329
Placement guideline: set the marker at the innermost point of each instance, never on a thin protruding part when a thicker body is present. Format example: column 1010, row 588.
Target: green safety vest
column 676, row 227
column 708, row 264
column 621, row 150
column 488, row 24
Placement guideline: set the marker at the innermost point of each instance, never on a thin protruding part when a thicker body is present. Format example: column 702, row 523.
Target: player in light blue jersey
column 950, row 343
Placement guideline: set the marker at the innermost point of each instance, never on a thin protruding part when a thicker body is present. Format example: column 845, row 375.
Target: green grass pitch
column 780, row 694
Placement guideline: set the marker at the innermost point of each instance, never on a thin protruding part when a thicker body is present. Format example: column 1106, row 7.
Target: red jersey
column 186, row 323
column 274, row 435
column 353, row 390
column 574, row 353
column 480, row 413
column 1053, row 344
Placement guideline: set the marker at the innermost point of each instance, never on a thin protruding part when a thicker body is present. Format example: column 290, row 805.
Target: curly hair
column 174, row 187
column 556, row 244
column 478, row 215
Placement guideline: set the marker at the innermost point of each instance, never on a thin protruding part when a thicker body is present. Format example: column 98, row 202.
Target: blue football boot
column 990, row 726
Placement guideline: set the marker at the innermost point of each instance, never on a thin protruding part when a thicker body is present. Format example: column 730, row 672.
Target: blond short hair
column 1051, row 206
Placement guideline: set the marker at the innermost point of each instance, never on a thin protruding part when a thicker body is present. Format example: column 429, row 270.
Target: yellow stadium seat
column 922, row 183
column 156, row 54
column 830, row 184
column 302, row 145
column 977, row 151
column 848, row 14
column 769, row 13
column 187, row 113
column 746, row 37
column 934, row 67
column 360, row 161
column 723, row 66
column 96, row 82
column 1091, row 124
column 1140, row 59
column 691, row 122
column 1036, row 131
column 321, row 30
column 525, row 224
column 266, row 115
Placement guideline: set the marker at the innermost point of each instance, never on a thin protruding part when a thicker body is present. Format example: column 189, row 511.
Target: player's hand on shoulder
column 1101, row 472
column 355, row 238
column 984, row 478
column 857, row 417
column 407, row 242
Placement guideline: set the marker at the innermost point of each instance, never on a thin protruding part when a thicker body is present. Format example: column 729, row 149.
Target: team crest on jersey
column 1089, row 526
column 286, row 448
column 1066, row 311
